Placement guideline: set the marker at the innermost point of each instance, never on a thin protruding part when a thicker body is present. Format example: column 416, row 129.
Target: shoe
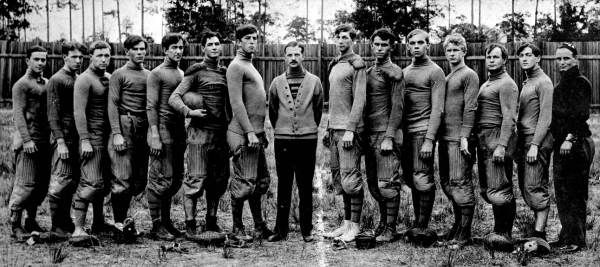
column 168, row 224
column 387, row 235
column 456, row 244
column 18, row 234
column 426, row 237
column 380, row 229
column 556, row 244
column 262, row 231
column 308, row 238
column 239, row 233
column 159, row 232
column 103, row 229
column 339, row 231
column 211, row 225
column 276, row 238
column 32, row 226
column 190, row 229
column 571, row 248
column 351, row 233
column 498, row 241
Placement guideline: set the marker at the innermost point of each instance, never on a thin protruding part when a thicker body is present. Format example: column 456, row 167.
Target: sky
column 491, row 13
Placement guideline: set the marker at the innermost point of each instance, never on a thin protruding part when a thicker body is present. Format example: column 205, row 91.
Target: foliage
column 515, row 24
column 297, row 29
column 13, row 17
column 191, row 17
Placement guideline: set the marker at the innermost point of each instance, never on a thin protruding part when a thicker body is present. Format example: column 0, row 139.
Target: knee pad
column 388, row 190
column 352, row 181
column 499, row 197
column 262, row 185
column 422, row 182
column 59, row 187
column 241, row 188
column 193, row 185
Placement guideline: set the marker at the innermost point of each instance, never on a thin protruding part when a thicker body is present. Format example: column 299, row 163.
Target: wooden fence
column 270, row 62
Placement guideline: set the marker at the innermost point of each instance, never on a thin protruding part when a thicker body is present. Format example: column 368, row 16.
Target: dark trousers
column 295, row 158
column 571, row 175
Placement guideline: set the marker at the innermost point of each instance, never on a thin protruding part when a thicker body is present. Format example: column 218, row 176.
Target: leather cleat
column 239, row 233
column 276, row 238
column 308, row 238
column 262, row 231
column 31, row 225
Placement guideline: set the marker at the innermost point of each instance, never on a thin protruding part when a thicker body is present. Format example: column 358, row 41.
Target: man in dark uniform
column 31, row 144
column 65, row 142
column 202, row 96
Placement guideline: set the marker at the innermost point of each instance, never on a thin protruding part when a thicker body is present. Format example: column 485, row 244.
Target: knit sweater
column 90, row 96
column 424, row 96
column 535, row 105
column 29, row 108
column 60, row 105
column 299, row 117
column 161, row 83
column 207, row 80
column 385, row 98
column 462, row 86
column 294, row 78
column 127, row 93
column 247, row 95
column 571, row 106
column 347, row 93
column 497, row 105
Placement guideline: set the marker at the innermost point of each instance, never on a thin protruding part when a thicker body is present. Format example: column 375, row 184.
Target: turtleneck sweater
column 161, row 83
column 294, row 78
column 127, row 93
column 90, row 96
column 247, row 95
column 347, row 93
column 462, row 85
column 571, row 106
column 207, row 80
column 60, row 104
column 535, row 105
column 497, row 105
column 424, row 96
column 29, row 107
column 384, row 106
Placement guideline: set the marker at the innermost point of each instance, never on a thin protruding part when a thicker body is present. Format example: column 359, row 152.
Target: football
column 193, row 100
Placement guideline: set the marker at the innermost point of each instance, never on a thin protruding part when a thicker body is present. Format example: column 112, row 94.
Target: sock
column 347, row 209
column 120, row 205
column 426, row 200
column 165, row 210
column 416, row 206
column 255, row 208
column 382, row 212
column 356, row 203
column 189, row 207
column 392, row 211
column 465, row 222
column 98, row 209
column 80, row 208
column 31, row 212
column 153, row 205
column 55, row 212
column 237, row 207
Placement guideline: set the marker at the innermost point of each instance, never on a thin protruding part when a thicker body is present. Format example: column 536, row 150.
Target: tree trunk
column 82, row 21
column 479, row 23
column 93, row 20
column 512, row 24
column 473, row 12
column 449, row 16
column 535, row 18
column 307, row 21
column 427, row 15
column 142, row 3
column 102, row 7
column 554, row 13
column 119, row 20
column 70, row 21
column 47, row 21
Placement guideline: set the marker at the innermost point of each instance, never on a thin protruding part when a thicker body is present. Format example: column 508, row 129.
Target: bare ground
column 294, row 251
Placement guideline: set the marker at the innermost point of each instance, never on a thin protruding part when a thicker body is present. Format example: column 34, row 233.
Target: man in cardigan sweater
column 424, row 102
column 30, row 143
column 383, row 115
column 166, row 138
column 534, row 143
column 347, row 96
column 246, row 135
column 65, row 142
column 202, row 96
column 295, row 108
column 455, row 151
column 573, row 149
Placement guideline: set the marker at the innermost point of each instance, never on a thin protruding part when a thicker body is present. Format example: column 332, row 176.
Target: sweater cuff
column 430, row 136
column 115, row 130
column 351, row 126
column 390, row 133
column 186, row 111
column 84, row 136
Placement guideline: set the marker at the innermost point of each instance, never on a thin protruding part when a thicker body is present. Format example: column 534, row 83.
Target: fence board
column 269, row 60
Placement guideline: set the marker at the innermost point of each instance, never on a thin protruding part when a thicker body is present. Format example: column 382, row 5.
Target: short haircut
column 503, row 50
column 417, row 32
column 534, row 49
column 294, row 44
column 207, row 34
column 385, row 34
column 35, row 48
column 72, row 46
column 98, row 45
column 133, row 40
column 345, row 28
column 569, row 47
column 244, row 30
column 456, row 39
column 170, row 39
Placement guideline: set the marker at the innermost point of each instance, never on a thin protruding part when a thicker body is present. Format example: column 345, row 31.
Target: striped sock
column 391, row 206
column 356, row 203
column 426, row 200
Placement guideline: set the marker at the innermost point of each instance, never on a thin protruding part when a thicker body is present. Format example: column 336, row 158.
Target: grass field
column 328, row 214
